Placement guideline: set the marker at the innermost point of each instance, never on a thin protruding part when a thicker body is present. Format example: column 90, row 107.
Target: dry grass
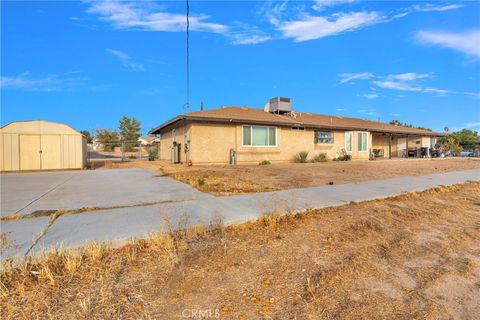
column 408, row 257
column 227, row 180
column 5, row 243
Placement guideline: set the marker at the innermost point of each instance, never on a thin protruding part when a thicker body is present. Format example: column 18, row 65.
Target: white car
column 466, row 154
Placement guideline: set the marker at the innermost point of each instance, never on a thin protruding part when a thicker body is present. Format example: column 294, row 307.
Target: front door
column 30, row 152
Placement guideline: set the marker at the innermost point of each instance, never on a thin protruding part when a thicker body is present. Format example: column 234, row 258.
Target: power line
column 187, row 105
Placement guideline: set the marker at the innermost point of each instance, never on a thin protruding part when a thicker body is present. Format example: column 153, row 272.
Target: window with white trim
column 323, row 137
column 258, row 136
column 362, row 141
column 349, row 141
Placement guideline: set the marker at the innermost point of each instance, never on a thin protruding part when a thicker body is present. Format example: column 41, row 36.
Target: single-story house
column 277, row 134
column 41, row 145
column 96, row 145
column 148, row 141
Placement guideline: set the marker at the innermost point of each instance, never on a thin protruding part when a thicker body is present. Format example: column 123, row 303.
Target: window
column 323, row 137
column 362, row 141
column 259, row 136
column 348, row 141
column 247, row 136
column 298, row 128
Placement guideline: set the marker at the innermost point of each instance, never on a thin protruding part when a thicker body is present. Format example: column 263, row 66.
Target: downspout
column 236, row 138
column 236, row 141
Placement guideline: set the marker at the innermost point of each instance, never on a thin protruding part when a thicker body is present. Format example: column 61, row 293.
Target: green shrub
column 301, row 157
column 264, row 163
column 346, row 157
column 201, row 181
column 152, row 154
column 321, row 157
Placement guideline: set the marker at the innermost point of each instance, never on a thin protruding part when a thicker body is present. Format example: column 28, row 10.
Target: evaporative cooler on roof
column 280, row 105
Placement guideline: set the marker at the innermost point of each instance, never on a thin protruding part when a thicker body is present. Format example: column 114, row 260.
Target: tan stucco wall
column 210, row 143
column 180, row 133
column 416, row 142
column 360, row 155
column 61, row 146
column 380, row 141
column 289, row 143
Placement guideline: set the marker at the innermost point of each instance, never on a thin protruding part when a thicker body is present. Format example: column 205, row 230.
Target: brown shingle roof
column 243, row 114
column 300, row 119
column 358, row 124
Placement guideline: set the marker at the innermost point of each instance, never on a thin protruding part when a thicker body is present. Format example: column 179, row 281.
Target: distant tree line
column 457, row 141
column 128, row 131
column 408, row 125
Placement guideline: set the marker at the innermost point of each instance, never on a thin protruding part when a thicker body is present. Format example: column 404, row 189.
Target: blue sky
column 88, row 63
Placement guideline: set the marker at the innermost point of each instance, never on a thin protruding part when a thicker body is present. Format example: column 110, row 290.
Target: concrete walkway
column 119, row 225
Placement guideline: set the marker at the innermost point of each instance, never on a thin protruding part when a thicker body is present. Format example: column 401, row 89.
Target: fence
column 121, row 151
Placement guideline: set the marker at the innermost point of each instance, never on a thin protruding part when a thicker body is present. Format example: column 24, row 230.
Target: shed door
column 30, row 152
column 51, row 154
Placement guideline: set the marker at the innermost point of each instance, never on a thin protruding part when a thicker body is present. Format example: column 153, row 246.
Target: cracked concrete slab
column 73, row 230
column 19, row 235
column 18, row 190
column 71, row 190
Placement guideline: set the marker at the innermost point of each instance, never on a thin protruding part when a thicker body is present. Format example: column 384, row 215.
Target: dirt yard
column 227, row 180
column 415, row 256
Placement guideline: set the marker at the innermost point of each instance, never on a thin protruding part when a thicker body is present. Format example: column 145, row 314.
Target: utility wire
column 187, row 105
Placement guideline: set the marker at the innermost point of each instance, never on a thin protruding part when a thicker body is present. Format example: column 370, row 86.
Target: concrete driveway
column 24, row 193
column 32, row 235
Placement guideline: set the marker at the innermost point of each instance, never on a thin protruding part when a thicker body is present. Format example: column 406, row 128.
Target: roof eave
column 411, row 133
column 156, row 130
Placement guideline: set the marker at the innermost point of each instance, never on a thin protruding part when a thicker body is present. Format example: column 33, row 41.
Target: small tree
column 152, row 154
column 108, row 138
column 87, row 135
column 456, row 141
column 129, row 131
column 450, row 144
column 466, row 138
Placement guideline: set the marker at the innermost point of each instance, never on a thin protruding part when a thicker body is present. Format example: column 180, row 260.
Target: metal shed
column 41, row 145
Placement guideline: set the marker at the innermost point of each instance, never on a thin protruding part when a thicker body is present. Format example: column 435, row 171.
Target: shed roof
column 297, row 119
column 38, row 127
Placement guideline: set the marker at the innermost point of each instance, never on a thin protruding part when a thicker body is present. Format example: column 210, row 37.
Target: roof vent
column 279, row 105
